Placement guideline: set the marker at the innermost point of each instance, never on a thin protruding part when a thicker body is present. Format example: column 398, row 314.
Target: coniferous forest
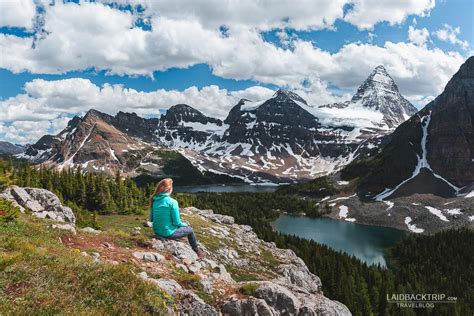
column 442, row 263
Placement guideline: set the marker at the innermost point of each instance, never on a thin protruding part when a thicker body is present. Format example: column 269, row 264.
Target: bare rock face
column 189, row 304
column 293, row 290
column 275, row 299
column 250, row 306
column 180, row 250
column 42, row 203
column 434, row 148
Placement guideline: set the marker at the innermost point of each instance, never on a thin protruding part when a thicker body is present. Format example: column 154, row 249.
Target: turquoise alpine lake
column 362, row 241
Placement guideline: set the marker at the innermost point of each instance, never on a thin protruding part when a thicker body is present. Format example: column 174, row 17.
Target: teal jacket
column 164, row 214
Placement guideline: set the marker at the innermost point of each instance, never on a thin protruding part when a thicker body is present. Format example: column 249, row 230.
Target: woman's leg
column 189, row 232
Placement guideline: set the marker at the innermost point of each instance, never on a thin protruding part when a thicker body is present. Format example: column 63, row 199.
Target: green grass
column 122, row 222
column 249, row 289
column 40, row 276
column 121, row 227
column 240, row 275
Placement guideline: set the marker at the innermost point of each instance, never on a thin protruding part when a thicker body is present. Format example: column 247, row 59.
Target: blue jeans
column 186, row 231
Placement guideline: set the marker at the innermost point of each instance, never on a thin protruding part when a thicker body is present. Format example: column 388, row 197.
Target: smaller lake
column 362, row 241
column 225, row 188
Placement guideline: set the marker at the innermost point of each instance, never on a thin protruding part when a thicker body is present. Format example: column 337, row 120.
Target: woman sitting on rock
column 164, row 213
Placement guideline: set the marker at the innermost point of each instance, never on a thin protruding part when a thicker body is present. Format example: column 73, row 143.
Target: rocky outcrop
column 250, row 306
column 189, row 302
column 285, row 286
column 40, row 202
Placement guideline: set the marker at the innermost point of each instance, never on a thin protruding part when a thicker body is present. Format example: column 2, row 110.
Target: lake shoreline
column 368, row 243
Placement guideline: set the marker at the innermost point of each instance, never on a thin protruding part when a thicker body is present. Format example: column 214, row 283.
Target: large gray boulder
column 42, row 203
column 282, row 300
column 276, row 299
column 180, row 250
column 195, row 306
column 189, row 303
column 300, row 276
column 247, row 307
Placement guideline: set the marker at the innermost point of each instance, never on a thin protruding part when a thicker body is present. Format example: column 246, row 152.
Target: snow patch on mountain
column 453, row 211
column 251, row 105
column 412, row 227
column 437, row 213
column 422, row 162
column 355, row 116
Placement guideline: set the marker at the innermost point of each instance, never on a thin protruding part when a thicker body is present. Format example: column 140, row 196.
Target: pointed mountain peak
column 379, row 76
column 183, row 110
column 93, row 112
column 379, row 93
column 185, row 113
column 285, row 95
column 181, row 107
column 377, row 85
column 94, row 115
column 380, row 68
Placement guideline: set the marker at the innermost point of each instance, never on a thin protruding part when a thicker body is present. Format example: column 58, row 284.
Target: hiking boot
column 201, row 254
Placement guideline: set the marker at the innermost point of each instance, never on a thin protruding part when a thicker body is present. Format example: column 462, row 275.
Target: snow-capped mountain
column 432, row 152
column 183, row 125
column 282, row 139
column 96, row 143
column 379, row 94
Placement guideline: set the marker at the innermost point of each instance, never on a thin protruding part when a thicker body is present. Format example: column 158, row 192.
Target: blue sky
column 143, row 55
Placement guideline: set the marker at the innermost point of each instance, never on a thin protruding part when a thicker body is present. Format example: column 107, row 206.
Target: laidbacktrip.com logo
column 420, row 300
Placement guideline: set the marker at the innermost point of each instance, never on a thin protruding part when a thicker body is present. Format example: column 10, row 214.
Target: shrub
column 249, row 289
column 84, row 218
column 8, row 212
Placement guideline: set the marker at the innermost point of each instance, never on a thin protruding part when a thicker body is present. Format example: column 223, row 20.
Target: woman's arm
column 175, row 218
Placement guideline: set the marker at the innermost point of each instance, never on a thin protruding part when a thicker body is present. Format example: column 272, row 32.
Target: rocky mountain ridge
column 282, row 283
column 282, row 139
column 7, row 148
column 417, row 213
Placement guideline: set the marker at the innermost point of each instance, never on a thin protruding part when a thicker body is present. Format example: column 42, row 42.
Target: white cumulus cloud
column 224, row 34
column 450, row 34
column 418, row 36
column 366, row 13
column 17, row 13
column 46, row 106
